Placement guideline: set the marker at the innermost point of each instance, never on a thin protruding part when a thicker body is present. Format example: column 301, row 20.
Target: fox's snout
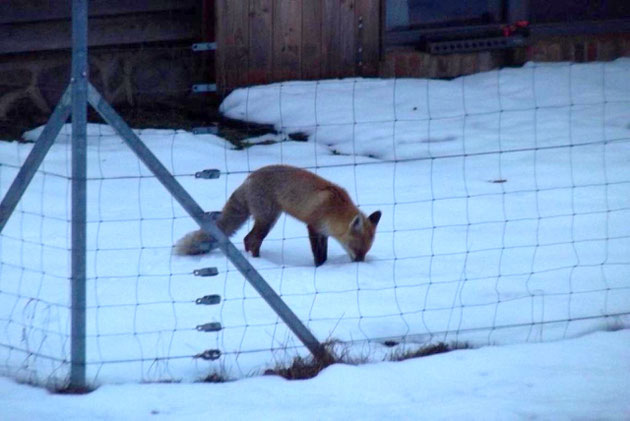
column 360, row 235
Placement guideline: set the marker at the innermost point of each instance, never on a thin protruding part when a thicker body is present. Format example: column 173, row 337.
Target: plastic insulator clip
column 208, row 174
column 206, row 272
column 210, row 355
column 209, row 300
column 209, row 327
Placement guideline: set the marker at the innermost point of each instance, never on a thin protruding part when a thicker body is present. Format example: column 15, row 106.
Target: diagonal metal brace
column 208, row 224
column 35, row 157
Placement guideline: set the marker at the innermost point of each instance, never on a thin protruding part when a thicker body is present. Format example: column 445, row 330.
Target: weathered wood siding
column 142, row 63
column 44, row 25
column 263, row 41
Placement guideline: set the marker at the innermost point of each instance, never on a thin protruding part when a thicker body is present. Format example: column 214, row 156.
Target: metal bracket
column 205, row 130
column 206, row 272
column 209, row 300
column 209, row 354
column 208, row 174
column 204, row 87
column 209, row 327
column 207, row 87
column 475, row 44
column 204, row 46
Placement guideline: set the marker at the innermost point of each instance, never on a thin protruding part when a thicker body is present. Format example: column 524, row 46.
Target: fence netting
column 505, row 198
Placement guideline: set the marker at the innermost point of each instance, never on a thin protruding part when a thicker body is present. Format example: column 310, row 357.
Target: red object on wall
column 511, row 29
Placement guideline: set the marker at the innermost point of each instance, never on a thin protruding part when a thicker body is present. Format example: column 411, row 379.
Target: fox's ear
column 375, row 217
column 357, row 223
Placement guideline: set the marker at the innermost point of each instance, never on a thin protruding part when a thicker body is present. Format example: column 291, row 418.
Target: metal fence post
column 79, row 171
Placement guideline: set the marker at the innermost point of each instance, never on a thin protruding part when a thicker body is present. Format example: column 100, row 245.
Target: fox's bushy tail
column 196, row 242
column 233, row 216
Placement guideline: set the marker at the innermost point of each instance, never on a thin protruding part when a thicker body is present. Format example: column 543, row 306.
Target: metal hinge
column 204, row 46
column 204, row 87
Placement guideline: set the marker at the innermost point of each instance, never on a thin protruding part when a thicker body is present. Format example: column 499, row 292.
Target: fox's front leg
column 319, row 245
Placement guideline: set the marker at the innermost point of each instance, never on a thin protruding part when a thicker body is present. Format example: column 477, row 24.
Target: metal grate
column 475, row 44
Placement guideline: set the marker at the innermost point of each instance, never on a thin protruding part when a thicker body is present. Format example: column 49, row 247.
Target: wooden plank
column 206, row 60
column 347, row 25
column 13, row 11
column 338, row 38
column 261, row 42
column 219, row 54
column 330, row 65
column 287, row 39
column 232, row 43
column 103, row 31
column 368, row 24
column 207, row 21
column 311, row 39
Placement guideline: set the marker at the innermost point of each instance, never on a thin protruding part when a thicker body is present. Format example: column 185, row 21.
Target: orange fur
column 324, row 207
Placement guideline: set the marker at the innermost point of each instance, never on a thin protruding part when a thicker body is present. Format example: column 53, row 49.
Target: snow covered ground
column 584, row 378
column 505, row 199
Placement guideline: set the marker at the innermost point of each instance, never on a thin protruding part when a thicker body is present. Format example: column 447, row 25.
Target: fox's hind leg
column 254, row 239
column 265, row 214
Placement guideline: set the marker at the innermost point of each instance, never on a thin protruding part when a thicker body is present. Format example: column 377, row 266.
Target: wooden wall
column 263, row 41
column 142, row 61
column 45, row 25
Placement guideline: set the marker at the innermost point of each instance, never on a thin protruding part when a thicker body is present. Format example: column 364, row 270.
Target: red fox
column 324, row 207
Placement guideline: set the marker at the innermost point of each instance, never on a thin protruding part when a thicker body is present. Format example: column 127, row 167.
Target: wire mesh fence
column 505, row 200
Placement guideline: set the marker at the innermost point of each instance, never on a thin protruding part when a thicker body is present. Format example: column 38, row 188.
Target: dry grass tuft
column 308, row 367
